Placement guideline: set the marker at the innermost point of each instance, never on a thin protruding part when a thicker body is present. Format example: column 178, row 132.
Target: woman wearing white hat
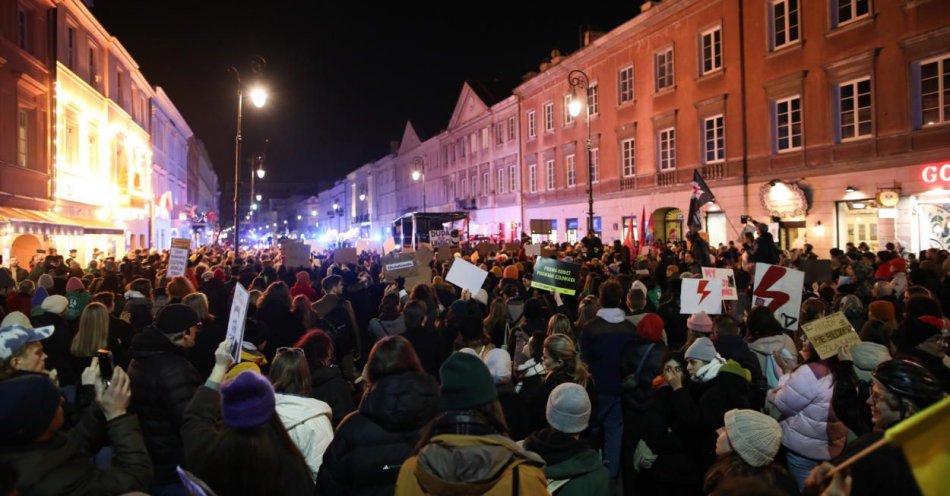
column 746, row 447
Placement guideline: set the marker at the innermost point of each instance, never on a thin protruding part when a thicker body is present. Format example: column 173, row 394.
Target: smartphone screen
column 105, row 365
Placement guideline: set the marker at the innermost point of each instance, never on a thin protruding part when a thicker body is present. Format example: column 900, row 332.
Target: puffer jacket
column 372, row 443
column 810, row 427
column 163, row 382
column 307, row 421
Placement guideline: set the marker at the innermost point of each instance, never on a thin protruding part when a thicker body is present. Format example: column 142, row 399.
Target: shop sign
column 935, row 173
column 783, row 200
column 888, row 198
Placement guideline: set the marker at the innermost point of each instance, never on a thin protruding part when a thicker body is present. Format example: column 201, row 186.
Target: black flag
column 701, row 195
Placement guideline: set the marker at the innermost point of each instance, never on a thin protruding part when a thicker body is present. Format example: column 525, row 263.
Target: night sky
column 344, row 75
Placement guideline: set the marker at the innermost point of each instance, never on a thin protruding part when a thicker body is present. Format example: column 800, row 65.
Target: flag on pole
column 628, row 239
column 923, row 439
column 646, row 228
column 700, row 196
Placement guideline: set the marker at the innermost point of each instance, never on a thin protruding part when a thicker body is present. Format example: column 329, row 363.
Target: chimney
column 591, row 36
column 393, row 146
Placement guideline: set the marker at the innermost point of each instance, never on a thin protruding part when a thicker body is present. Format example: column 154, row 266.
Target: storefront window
column 571, row 226
column 858, row 223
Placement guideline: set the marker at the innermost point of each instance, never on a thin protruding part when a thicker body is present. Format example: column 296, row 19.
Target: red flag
column 628, row 239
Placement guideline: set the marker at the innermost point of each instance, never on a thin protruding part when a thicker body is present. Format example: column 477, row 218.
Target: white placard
column 440, row 237
column 780, row 289
column 466, row 276
column 701, row 295
column 236, row 321
column 532, row 250
column 728, row 279
column 178, row 257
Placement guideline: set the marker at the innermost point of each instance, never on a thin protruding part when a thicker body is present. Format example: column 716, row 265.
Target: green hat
column 466, row 383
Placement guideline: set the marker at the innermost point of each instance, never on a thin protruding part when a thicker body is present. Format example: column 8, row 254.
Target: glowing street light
column 258, row 96
column 258, row 197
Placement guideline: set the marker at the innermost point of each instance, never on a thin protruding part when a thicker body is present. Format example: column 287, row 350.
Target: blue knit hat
column 38, row 297
column 247, row 401
column 28, row 404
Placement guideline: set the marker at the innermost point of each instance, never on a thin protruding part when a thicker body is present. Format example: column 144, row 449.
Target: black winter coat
column 652, row 366
column 163, row 382
column 371, row 444
column 57, row 347
column 330, row 387
column 675, row 470
column 283, row 328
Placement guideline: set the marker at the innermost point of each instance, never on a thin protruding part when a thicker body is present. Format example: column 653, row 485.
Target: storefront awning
column 26, row 221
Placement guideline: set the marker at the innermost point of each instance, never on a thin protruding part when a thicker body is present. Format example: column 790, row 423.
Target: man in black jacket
column 163, row 382
column 429, row 346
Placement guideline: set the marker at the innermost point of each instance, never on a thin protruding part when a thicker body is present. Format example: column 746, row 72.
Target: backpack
column 336, row 323
column 515, row 316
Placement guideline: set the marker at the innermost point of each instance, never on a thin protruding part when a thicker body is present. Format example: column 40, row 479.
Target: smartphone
column 105, row 365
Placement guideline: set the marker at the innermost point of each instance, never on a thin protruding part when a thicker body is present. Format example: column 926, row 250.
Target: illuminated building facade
column 170, row 138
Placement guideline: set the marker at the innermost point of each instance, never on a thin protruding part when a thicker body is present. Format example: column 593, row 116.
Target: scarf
column 709, row 371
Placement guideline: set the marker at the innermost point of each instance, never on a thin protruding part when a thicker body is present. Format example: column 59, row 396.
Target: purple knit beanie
column 247, row 401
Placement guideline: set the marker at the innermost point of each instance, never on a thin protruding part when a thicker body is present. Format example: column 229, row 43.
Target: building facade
column 171, row 158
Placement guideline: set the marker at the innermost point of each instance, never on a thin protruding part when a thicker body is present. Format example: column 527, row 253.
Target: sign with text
column 701, row 295
column 466, row 276
column 829, row 334
column 439, row 238
column 532, row 250
column 236, row 321
column 345, row 255
column 399, row 265
column 728, row 279
column 178, row 257
column 556, row 277
column 780, row 289
column 295, row 254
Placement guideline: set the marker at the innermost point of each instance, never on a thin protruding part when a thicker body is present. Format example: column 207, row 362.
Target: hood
column 295, row 410
column 402, row 402
column 152, row 342
column 866, row 356
column 555, row 447
column 768, row 344
column 457, row 464
column 612, row 315
column 393, row 327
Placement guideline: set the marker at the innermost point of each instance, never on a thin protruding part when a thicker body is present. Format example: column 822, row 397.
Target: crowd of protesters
column 351, row 382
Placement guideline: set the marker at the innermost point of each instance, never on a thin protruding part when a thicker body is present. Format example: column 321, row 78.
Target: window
column 484, row 140
column 23, row 29
column 625, row 85
column 783, row 23
column 93, row 151
column 663, row 69
column 568, row 118
column 854, row 109
column 511, row 128
column 549, row 117
column 23, row 138
column 71, row 47
column 593, row 107
column 845, row 11
column 118, row 88
column 711, row 44
column 464, row 187
column 532, row 179
column 474, row 184
column 72, row 140
column 714, row 141
column 595, row 164
column 549, row 174
column 532, row 126
column 499, row 133
column 512, row 179
column 935, row 91
column 93, row 67
column 667, row 149
column 486, row 184
column 501, row 181
column 788, row 123
column 628, row 158
column 571, row 173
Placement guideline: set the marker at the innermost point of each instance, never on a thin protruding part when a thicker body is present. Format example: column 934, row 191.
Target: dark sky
column 344, row 75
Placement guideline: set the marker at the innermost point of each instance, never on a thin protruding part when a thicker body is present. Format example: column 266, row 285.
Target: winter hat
column 459, row 308
column 650, row 328
column 14, row 337
column 568, row 408
column 38, row 297
column 45, row 281
column 16, row 318
column 206, row 276
column 881, row 310
column 218, row 274
column 30, row 402
column 700, row 322
column 755, row 437
column 701, row 349
column 498, row 362
column 55, row 304
column 866, row 357
column 75, row 284
column 175, row 318
column 247, row 401
column 510, row 272
column 497, row 270
column 466, row 383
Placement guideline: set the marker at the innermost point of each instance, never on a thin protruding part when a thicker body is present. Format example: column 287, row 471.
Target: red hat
column 650, row 328
column 74, row 284
column 218, row 274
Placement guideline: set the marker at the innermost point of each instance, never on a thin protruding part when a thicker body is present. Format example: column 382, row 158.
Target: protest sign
column 780, row 289
column 466, row 276
column 701, row 295
column 389, row 245
column 486, row 249
column 532, row 250
column 444, row 253
column 817, row 271
column 439, row 238
column 513, row 247
column 423, row 255
column 236, row 321
column 399, row 265
column 345, row 255
column 728, row 281
column 295, row 254
column 557, row 277
column 829, row 334
column 178, row 257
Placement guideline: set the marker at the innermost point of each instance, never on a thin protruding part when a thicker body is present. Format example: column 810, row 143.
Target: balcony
column 666, row 178
column 713, row 171
column 361, row 219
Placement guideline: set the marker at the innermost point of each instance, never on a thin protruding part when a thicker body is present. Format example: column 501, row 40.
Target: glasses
column 286, row 349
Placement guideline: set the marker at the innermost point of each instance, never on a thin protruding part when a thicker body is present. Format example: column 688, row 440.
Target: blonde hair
column 93, row 331
column 561, row 349
column 198, row 302
column 560, row 324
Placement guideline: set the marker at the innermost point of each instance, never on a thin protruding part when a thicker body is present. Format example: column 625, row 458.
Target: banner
column 295, row 254
column 829, row 334
column 236, row 321
column 178, row 257
column 728, row 279
column 557, row 277
column 701, row 295
column 345, row 255
column 440, row 238
column 399, row 265
column 780, row 289
column 466, row 276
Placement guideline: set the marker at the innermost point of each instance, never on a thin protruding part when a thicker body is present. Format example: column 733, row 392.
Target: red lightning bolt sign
column 763, row 290
column 701, row 290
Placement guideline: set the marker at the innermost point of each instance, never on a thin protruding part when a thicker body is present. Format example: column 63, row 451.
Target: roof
column 492, row 91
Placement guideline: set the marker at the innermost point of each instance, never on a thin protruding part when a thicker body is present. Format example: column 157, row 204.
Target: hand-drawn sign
column 780, row 289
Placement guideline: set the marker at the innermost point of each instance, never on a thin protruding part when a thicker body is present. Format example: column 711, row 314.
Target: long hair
column 178, row 288
column 391, row 355
column 93, row 331
column 198, row 302
column 318, row 347
column 497, row 315
column 303, row 312
column 253, row 460
column 277, row 294
column 290, row 374
column 560, row 324
column 587, row 311
column 561, row 349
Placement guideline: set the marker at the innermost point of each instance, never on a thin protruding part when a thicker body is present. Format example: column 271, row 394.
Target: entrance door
column 792, row 234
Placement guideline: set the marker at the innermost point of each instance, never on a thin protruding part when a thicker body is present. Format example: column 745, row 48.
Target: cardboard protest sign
column 486, row 249
column 728, row 279
column 701, row 295
column 817, row 271
column 295, row 254
column 532, row 250
column 399, row 265
column 422, row 277
column 236, row 321
column 466, row 276
column 389, row 245
column 178, row 257
column 557, row 277
column 829, row 334
column 444, row 253
column 513, row 247
column 424, row 255
column 345, row 255
column 439, row 238
column 780, row 289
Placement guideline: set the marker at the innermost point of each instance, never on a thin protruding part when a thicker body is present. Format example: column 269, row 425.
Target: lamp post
column 258, row 98
column 579, row 78
column 417, row 175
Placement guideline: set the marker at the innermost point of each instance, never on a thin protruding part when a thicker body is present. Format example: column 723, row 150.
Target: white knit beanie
column 755, row 437
column 568, row 408
column 498, row 362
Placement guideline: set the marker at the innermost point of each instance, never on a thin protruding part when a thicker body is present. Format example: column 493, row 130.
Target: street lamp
column 257, row 197
column 258, row 98
column 579, row 78
column 417, row 175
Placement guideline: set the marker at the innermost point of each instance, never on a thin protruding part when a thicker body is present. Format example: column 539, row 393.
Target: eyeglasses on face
column 286, row 349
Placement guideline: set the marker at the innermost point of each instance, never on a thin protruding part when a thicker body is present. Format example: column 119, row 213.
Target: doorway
column 791, row 234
